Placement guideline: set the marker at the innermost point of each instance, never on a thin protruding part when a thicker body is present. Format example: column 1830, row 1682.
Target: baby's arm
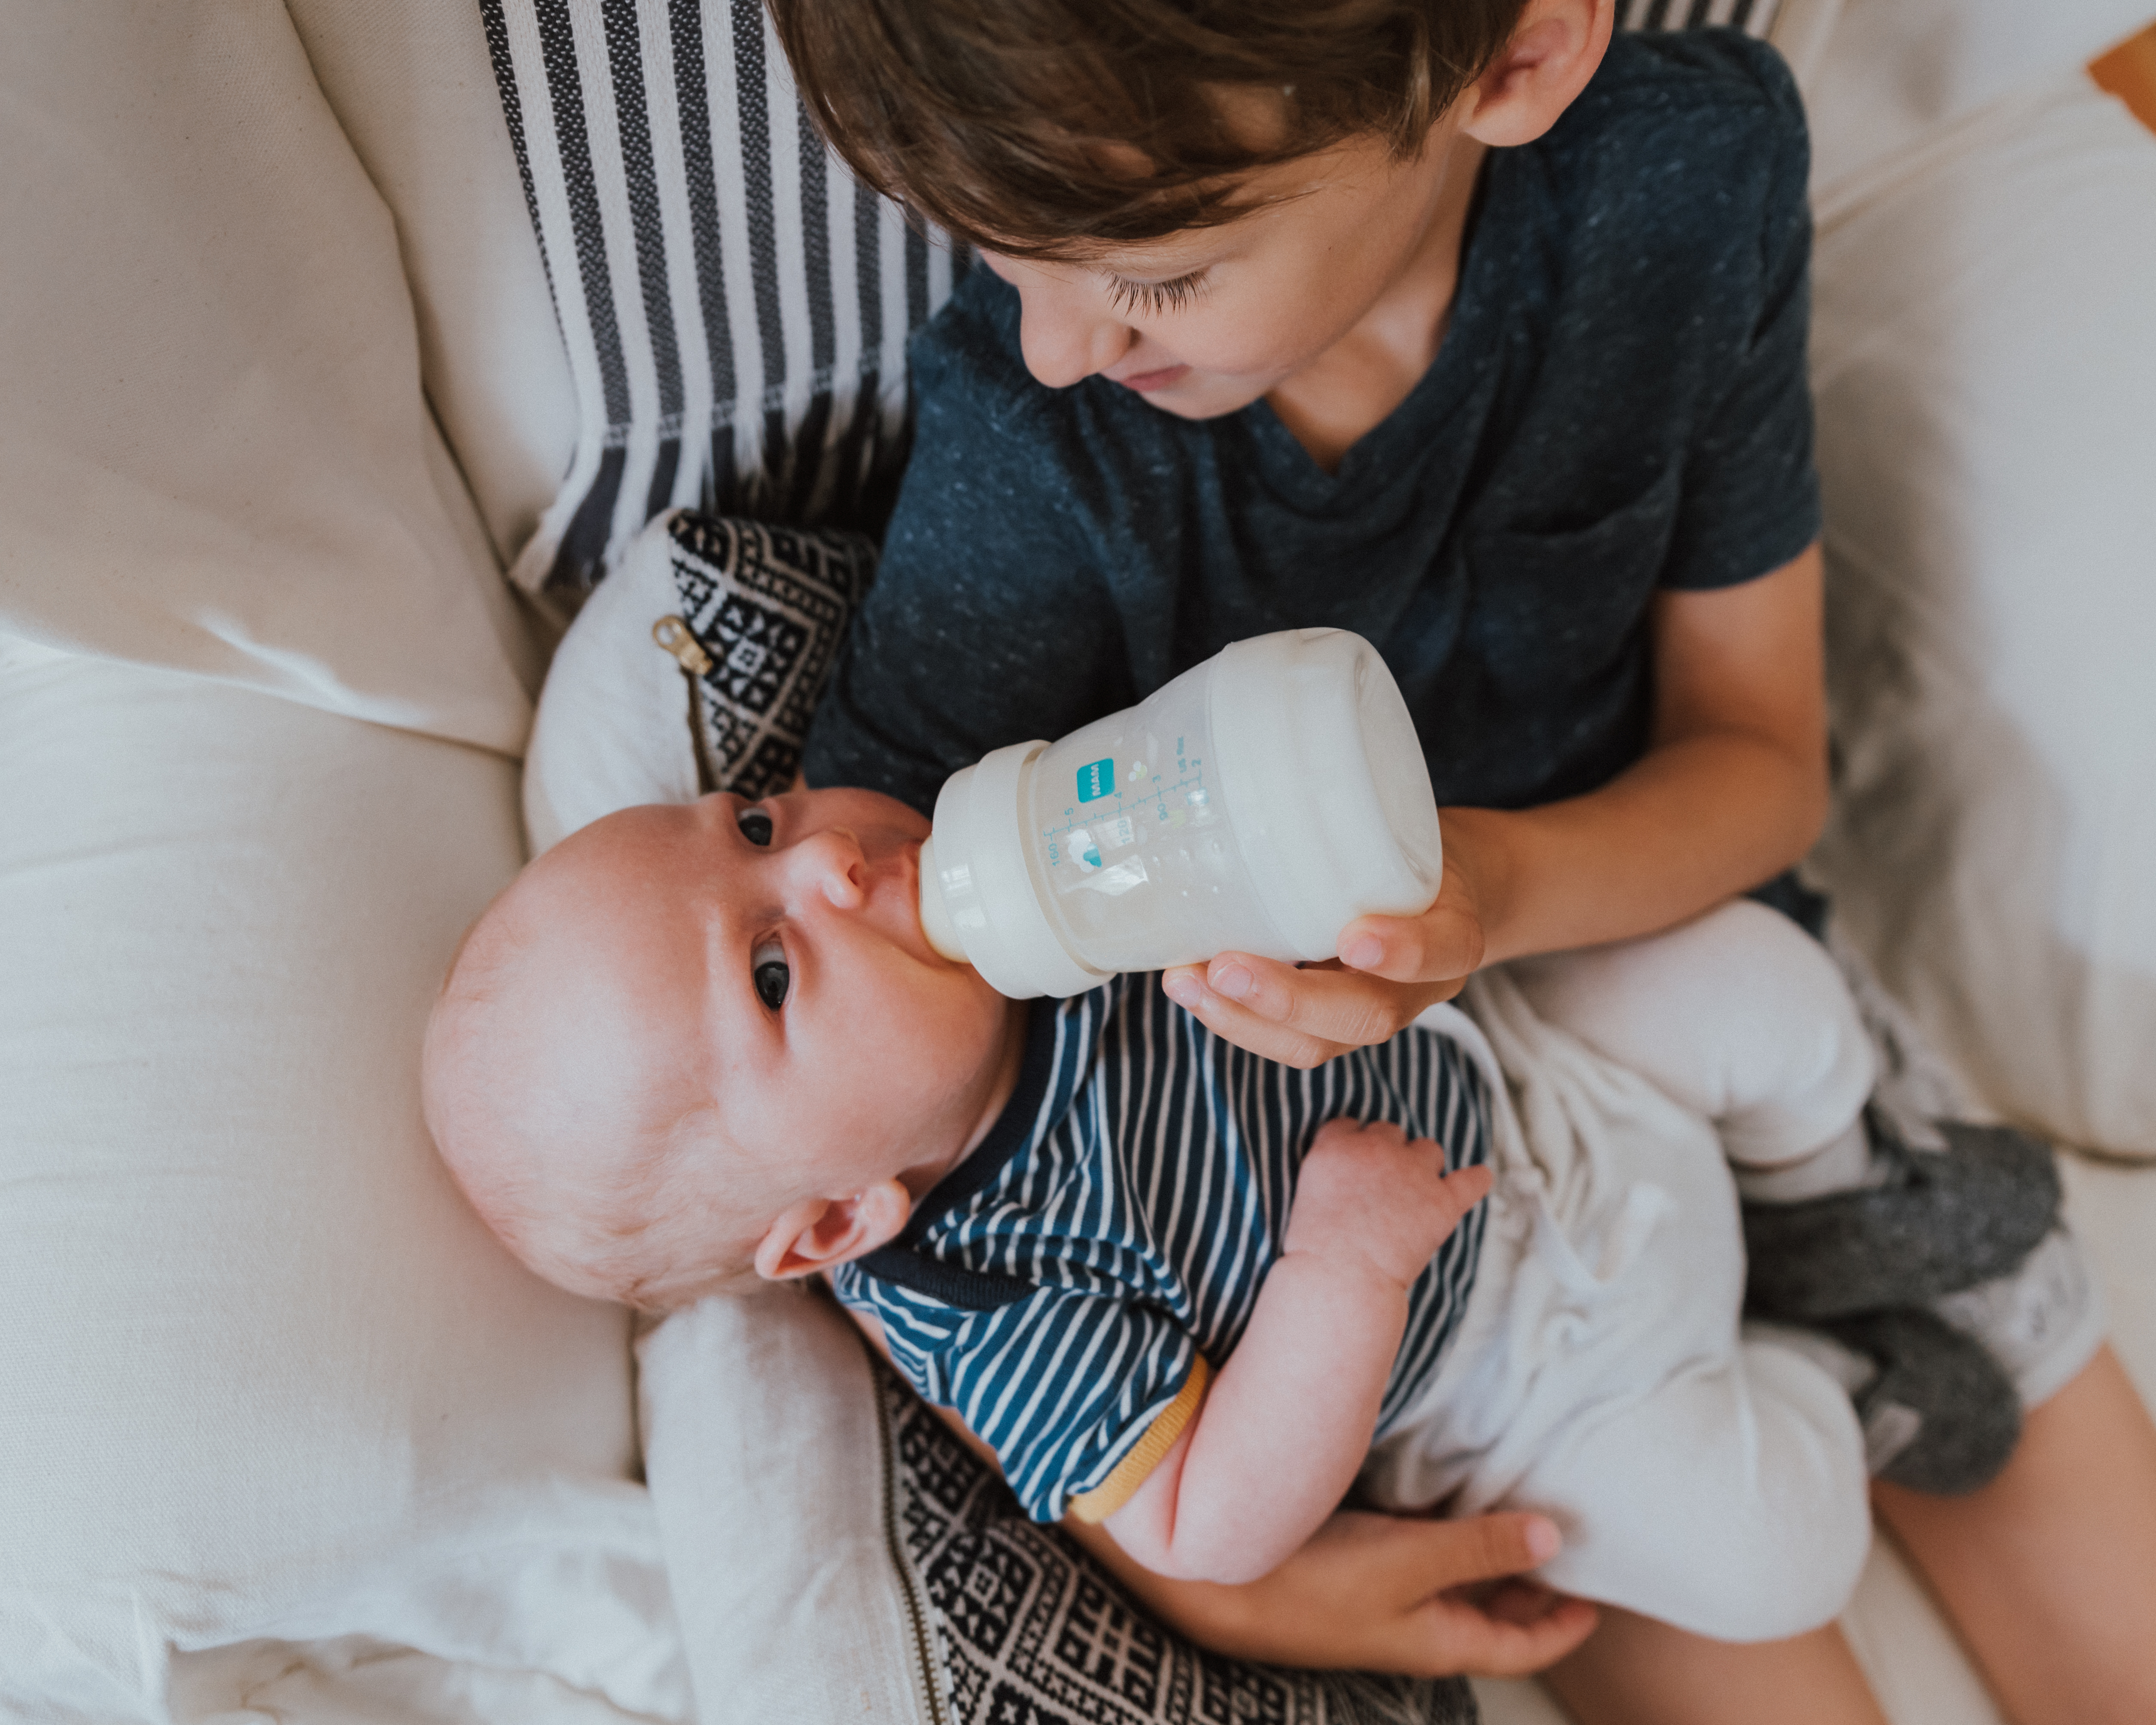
column 1286, row 1425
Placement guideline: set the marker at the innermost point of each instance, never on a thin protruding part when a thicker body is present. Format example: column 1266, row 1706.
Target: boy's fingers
column 1463, row 1639
column 1521, row 1628
column 1442, row 944
column 1244, row 1027
column 1476, row 1548
column 1235, row 995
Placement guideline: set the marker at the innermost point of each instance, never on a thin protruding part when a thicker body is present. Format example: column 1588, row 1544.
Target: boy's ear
column 822, row 1233
column 1551, row 55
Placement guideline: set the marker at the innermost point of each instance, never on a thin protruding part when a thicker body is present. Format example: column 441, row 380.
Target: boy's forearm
column 1283, row 1432
column 1695, row 821
column 1732, row 788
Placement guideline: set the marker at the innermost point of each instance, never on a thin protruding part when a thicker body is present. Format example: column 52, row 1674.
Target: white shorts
column 1599, row 1375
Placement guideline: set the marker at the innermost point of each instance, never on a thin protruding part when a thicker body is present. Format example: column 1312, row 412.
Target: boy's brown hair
column 1048, row 128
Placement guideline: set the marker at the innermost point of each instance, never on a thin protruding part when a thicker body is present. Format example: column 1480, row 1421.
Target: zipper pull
column 672, row 633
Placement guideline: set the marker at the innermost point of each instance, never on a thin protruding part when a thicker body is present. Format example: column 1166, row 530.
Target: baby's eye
column 755, row 826
column 767, row 966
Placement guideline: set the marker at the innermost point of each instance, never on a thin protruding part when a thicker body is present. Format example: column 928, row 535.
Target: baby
column 1177, row 1288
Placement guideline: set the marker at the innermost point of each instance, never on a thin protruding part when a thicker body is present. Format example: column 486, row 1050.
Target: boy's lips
column 1145, row 382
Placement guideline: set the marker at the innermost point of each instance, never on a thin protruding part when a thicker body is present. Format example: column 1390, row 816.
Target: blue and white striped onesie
column 1058, row 1286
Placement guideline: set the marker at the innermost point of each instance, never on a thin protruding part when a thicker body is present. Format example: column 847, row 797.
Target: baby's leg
column 1739, row 1016
column 1728, row 1502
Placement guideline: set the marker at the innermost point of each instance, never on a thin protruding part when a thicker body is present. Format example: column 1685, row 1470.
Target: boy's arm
column 1732, row 790
column 1284, row 1428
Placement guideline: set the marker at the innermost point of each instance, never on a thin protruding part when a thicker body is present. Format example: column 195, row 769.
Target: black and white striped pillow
column 735, row 305
column 1755, row 17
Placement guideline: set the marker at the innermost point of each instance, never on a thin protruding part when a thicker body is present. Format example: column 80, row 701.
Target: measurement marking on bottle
column 1108, row 815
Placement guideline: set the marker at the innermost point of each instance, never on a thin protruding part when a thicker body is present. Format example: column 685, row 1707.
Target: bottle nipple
column 936, row 924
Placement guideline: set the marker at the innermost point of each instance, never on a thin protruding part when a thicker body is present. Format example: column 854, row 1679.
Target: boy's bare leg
column 1633, row 1671
column 2049, row 1571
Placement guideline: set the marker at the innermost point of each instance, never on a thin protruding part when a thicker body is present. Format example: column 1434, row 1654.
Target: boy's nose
column 1065, row 333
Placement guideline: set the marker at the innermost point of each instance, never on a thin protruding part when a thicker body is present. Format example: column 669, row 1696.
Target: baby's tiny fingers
column 1462, row 1191
column 1471, row 1185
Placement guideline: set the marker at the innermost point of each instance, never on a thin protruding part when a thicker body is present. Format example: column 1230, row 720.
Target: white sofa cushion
column 1888, row 73
column 410, row 83
column 266, row 1375
column 214, row 454
column 1983, row 360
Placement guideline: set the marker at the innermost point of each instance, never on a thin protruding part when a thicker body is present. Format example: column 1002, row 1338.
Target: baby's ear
column 822, row 1233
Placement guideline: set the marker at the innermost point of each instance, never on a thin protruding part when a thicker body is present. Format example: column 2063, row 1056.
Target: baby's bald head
column 693, row 1041
column 567, row 1087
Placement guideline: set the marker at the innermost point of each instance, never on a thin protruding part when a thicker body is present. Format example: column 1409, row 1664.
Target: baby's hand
column 1370, row 1193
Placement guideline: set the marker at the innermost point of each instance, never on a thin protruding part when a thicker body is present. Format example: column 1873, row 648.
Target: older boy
column 1430, row 321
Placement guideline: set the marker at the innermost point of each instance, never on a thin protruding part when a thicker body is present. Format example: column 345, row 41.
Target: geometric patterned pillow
column 1027, row 1630
column 762, row 609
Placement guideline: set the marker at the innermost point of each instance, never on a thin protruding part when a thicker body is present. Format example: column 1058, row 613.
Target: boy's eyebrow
column 1155, row 278
column 1134, row 264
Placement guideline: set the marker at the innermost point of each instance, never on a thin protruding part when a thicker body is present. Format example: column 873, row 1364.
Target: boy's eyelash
column 1156, row 297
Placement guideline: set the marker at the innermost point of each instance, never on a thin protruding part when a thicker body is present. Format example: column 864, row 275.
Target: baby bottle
column 1259, row 802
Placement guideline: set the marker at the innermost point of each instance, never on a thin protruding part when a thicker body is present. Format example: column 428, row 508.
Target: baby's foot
column 1930, row 1222
column 1938, row 1413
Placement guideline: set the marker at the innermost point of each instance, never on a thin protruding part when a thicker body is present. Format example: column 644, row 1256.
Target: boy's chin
column 1197, row 395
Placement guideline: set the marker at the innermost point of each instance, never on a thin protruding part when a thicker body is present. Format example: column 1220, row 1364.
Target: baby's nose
column 832, row 864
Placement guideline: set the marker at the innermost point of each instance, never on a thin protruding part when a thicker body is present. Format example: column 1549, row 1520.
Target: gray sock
column 1940, row 1414
column 1940, row 1222
column 2042, row 1323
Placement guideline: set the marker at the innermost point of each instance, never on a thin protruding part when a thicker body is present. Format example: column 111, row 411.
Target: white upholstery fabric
column 1889, row 71
column 1985, row 367
column 213, row 452
column 266, row 1374
column 410, row 83
column 612, row 729
column 762, row 1447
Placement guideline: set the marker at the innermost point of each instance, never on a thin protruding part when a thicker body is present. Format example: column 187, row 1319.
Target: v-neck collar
column 1465, row 364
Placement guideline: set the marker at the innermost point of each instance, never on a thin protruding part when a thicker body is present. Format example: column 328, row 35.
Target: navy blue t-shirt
column 1618, row 405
